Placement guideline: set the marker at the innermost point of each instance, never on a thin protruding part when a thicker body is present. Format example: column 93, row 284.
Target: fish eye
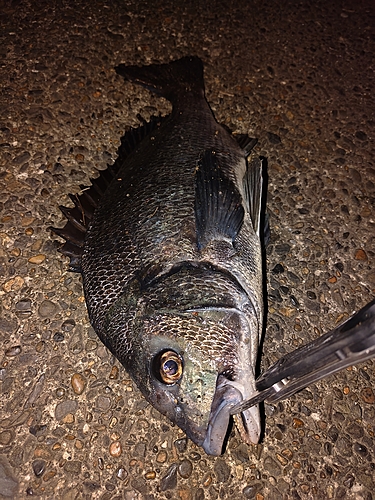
column 167, row 367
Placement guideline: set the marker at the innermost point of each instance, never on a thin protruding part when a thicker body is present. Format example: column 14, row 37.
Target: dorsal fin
column 174, row 80
column 85, row 203
column 218, row 204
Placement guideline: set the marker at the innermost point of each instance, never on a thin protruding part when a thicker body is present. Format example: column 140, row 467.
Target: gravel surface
column 299, row 76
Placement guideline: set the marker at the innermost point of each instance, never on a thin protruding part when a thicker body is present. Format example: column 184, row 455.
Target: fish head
column 194, row 366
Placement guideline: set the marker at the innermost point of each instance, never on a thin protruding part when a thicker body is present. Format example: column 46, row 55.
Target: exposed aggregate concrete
column 299, row 76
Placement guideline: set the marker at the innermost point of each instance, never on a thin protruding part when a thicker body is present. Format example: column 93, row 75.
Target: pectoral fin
column 252, row 185
column 219, row 211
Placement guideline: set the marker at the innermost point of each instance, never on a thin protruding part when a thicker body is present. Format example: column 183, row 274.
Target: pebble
column 360, row 449
column 274, row 138
column 7, row 326
column 122, row 473
column 8, row 482
column 368, row 395
column 169, row 481
column 150, row 474
column 278, row 269
column 251, row 490
column 288, row 312
column 114, row 373
column 23, row 306
column 6, row 437
column 103, row 403
column 37, row 259
column 13, row 351
column 68, row 325
column 39, row 467
column 78, row 382
column 58, row 337
column 298, row 423
column 73, row 466
column 181, row 444
column 47, row 309
column 185, row 468
column 272, row 466
column 115, row 449
column 360, row 254
column 64, row 408
column 222, row 470
column 14, row 284
column 161, row 457
column 281, row 459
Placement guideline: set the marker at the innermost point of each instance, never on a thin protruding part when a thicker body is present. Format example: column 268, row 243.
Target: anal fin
column 219, row 211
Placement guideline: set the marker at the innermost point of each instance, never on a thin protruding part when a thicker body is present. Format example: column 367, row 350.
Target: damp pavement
column 299, row 76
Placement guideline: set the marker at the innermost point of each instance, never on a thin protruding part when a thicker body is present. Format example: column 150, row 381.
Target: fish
column 168, row 241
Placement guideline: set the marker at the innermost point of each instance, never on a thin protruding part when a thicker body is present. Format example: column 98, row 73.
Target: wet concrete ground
column 299, row 76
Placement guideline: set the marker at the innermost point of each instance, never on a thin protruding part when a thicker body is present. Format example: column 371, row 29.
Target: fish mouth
column 227, row 395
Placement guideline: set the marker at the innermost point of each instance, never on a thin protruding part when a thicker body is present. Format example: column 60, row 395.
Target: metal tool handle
column 349, row 344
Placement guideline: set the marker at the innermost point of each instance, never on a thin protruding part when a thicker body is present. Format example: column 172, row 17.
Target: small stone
column 161, row 457
column 181, row 445
column 273, row 138
column 169, row 481
column 37, row 259
column 185, row 468
column 73, row 466
column 8, row 482
column 150, row 474
column 60, row 392
column 91, row 345
column 114, row 373
column 42, row 452
column 278, row 269
column 78, row 382
column 64, row 408
column 272, row 466
column 121, row 473
column 68, row 325
column 13, row 351
column 251, row 490
column 58, row 337
column 7, row 326
column 115, row 449
column 281, row 459
column 360, row 254
column 23, row 305
column 298, row 423
column 282, row 249
column 14, row 284
column 47, row 309
column 103, row 403
column 360, row 449
column 6, row 437
column 288, row 312
column 222, row 470
column 287, row 453
column 362, row 136
column 68, row 419
column 39, row 467
column 368, row 396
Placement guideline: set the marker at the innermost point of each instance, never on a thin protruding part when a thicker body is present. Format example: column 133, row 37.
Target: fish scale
column 171, row 259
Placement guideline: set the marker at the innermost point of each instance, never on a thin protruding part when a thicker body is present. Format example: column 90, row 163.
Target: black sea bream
column 167, row 241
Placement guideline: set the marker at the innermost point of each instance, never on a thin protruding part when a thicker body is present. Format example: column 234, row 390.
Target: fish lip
column 226, row 396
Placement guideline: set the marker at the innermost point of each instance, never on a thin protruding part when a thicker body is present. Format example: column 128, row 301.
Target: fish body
column 171, row 259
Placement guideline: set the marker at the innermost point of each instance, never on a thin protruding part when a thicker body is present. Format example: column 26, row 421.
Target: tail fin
column 173, row 81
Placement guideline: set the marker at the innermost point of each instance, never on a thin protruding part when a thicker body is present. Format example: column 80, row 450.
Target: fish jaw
column 227, row 395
